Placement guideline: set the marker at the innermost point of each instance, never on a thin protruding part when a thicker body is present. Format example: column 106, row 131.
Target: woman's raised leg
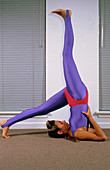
column 75, row 86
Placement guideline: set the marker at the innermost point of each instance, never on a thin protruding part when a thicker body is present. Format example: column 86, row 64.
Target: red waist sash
column 73, row 102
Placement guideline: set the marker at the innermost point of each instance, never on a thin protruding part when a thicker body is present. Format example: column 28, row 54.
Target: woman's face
column 63, row 126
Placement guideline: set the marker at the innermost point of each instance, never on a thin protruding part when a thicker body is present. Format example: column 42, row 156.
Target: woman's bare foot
column 61, row 12
column 5, row 129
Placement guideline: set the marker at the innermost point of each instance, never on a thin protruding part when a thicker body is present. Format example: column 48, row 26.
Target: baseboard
column 38, row 122
column 29, row 125
column 103, row 119
column 42, row 125
column 104, row 125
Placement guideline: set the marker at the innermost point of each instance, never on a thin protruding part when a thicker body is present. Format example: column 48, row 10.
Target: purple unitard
column 74, row 84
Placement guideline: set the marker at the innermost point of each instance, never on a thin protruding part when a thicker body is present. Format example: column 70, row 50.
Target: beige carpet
column 34, row 150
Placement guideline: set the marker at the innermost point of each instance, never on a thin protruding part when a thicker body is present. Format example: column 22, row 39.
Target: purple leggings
column 74, row 84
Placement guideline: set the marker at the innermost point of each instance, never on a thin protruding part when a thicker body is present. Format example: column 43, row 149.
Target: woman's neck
column 70, row 132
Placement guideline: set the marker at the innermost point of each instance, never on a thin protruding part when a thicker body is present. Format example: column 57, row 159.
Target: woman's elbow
column 104, row 138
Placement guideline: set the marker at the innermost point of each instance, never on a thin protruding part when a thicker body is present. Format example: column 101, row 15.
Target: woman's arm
column 100, row 135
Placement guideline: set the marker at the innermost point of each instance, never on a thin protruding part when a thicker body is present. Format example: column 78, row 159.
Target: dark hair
column 53, row 129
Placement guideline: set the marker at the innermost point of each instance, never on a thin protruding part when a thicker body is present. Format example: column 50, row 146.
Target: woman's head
column 57, row 129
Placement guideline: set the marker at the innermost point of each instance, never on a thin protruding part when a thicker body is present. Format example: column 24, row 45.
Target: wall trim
column 104, row 125
column 29, row 125
column 102, row 114
column 37, row 122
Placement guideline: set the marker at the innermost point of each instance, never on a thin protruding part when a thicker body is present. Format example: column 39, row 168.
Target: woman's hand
column 88, row 114
column 100, row 135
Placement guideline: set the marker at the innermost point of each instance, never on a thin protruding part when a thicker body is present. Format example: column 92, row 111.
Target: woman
column 75, row 94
